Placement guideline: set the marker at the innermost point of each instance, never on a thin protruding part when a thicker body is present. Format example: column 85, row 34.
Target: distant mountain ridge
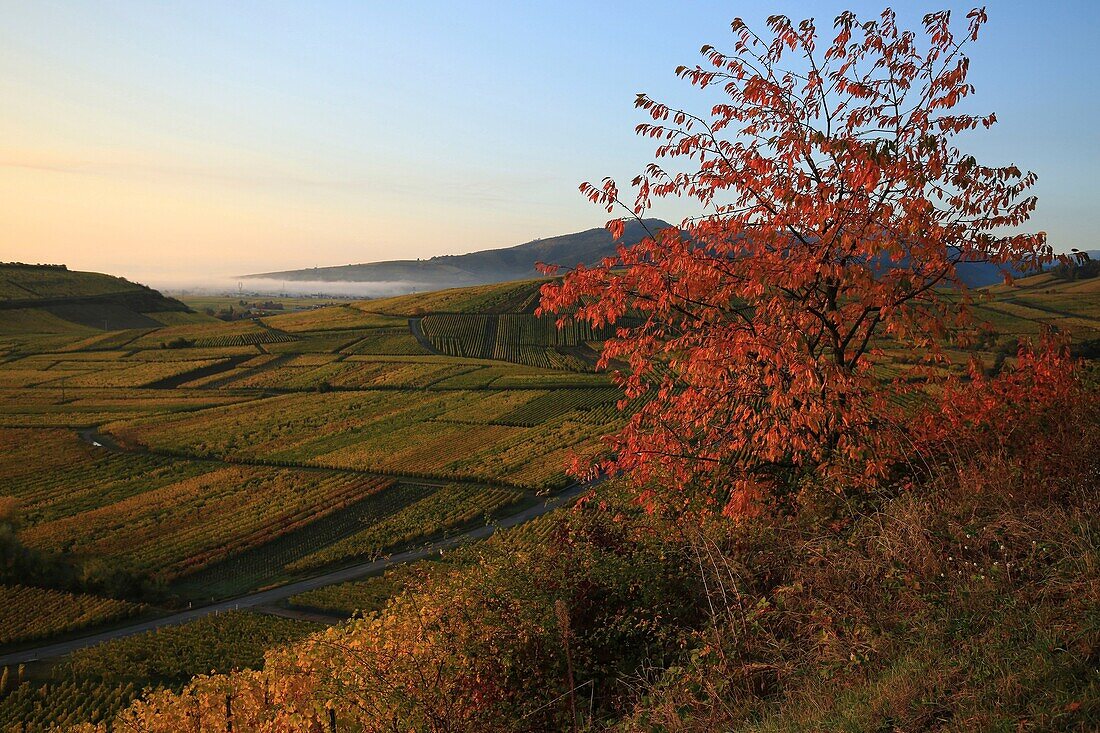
column 518, row 263
column 984, row 274
column 482, row 267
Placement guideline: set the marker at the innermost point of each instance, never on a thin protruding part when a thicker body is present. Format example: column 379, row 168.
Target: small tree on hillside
column 835, row 209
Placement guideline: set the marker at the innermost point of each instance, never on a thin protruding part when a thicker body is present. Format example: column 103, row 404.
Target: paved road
column 274, row 595
column 418, row 332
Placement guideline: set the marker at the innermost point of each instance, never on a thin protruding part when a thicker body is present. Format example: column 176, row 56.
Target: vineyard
column 269, row 563
column 371, row 594
column 72, row 407
column 388, row 342
column 211, row 335
column 56, row 704
column 510, row 297
column 94, row 684
column 187, row 524
column 441, row 434
column 515, row 337
column 448, row 508
column 36, row 321
column 103, row 369
column 175, row 653
column 358, row 596
column 23, row 283
column 334, row 318
column 30, row 614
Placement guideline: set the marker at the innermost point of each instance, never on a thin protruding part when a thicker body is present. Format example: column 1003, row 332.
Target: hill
column 44, row 299
column 477, row 268
column 518, row 263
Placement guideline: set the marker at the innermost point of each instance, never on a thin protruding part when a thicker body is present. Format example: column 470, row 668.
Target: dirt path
column 96, row 439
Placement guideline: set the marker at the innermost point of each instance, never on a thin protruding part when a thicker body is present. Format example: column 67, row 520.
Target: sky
column 175, row 141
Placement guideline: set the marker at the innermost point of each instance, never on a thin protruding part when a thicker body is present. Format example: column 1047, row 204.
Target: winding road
column 418, row 333
column 274, row 595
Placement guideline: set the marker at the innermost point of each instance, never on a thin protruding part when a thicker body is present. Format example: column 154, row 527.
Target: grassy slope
column 41, row 304
column 28, row 283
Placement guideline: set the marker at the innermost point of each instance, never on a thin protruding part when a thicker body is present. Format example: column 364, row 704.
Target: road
column 418, row 333
column 274, row 595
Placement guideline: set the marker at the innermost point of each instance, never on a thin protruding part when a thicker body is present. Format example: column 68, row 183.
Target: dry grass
column 971, row 604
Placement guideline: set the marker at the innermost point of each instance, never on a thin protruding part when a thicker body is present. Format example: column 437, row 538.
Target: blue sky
column 180, row 139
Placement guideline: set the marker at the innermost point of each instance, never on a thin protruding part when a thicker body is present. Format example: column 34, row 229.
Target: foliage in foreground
column 94, row 684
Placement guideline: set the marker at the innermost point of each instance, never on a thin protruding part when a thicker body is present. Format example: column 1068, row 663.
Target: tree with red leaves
column 835, row 211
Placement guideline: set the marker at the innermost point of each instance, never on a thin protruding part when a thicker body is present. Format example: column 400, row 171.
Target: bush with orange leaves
column 1038, row 413
column 463, row 654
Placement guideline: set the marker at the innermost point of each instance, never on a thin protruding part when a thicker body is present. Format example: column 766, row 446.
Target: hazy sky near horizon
column 176, row 141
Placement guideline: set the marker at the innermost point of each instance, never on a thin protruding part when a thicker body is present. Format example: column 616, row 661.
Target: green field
column 224, row 302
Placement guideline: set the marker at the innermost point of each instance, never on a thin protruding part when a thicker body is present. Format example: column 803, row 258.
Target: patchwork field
column 194, row 458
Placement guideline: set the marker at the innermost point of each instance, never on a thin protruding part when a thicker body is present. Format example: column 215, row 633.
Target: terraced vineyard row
column 400, row 433
column 371, row 594
column 334, row 318
column 319, row 342
column 396, row 341
column 189, row 524
column 558, row 402
column 355, row 596
column 453, row 506
column 96, row 373
column 87, row 407
column 353, row 372
column 175, row 653
column 59, row 704
column 107, row 340
column 29, row 614
column 211, row 335
column 516, row 337
column 460, row 335
column 511, row 297
column 267, row 563
column 523, row 328
column 53, row 474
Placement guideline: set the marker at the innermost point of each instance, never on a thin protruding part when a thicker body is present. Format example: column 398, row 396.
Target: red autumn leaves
column 834, row 208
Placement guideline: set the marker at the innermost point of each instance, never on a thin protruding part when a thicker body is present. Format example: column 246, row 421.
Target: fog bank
column 214, row 285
